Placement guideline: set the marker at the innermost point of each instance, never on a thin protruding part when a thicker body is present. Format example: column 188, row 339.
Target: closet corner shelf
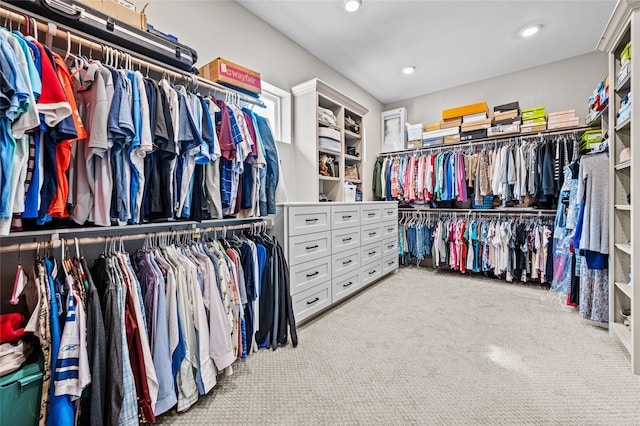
column 597, row 120
column 625, row 84
column 352, row 157
column 625, row 248
column 623, row 207
column 622, row 166
column 330, row 178
column 623, row 125
column 625, row 288
column 623, row 333
column 351, row 135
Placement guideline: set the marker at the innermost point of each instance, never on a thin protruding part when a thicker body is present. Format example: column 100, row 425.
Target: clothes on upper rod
column 109, row 146
column 507, row 170
column 511, row 248
column 136, row 335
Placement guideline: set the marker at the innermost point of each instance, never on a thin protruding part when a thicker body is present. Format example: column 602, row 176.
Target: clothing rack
column 506, row 212
column 487, row 141
column 192, row 228
column 131, row 58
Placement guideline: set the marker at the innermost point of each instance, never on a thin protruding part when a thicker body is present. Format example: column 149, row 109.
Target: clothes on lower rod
column 510, row 248
column 138, row 334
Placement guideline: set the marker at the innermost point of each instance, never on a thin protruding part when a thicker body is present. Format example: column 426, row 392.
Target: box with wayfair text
column 226, row 72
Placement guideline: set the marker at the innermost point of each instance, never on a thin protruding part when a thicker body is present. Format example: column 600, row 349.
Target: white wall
column 226, row 29
column 557, row 86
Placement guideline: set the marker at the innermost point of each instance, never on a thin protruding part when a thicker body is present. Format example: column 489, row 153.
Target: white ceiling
column 450, row 42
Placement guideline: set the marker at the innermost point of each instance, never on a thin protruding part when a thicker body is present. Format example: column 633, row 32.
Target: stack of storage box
column 562, row 119
column 434, row 134
column 506, row 119
column 533, row 120
column 474, row 120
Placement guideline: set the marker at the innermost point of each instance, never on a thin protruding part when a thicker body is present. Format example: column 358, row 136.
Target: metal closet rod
column 20, row 19
column 465, row 212
column 130, row 237
column 488, row 141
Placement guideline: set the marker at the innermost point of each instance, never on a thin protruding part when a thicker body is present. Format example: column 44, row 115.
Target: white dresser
column 335, row 249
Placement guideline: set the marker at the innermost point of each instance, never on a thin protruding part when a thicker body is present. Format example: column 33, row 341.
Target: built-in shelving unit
column 309, row 97
column 624, row 180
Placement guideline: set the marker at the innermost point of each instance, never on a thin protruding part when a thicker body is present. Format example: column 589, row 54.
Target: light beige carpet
column 429, row 347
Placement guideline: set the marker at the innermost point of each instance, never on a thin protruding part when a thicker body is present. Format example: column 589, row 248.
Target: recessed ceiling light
column 352, row 5
column 408, row 70
column 530, row 30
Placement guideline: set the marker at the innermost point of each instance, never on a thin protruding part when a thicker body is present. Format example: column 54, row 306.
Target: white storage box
column 414, row 132
column 329, row 144
column 327, row 132
column 349, row 193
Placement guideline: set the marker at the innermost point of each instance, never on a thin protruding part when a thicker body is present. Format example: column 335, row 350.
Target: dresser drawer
column 371, row 272
column 370, row 214
column 311, row 301
column 390, row 212
column 345, row 216
column 304, row 248
column 345, row 262
column 345, row 239
column 346, row 285
column 306, row 275
column 370, row 233
column 305, row 220
column 389, row 263
column 370, row 252
column 389, row 229
column 390, row 246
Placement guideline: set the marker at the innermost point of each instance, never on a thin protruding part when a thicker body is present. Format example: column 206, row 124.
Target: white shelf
column 329, row 178
column 325, row 124
column 352, row 157
column 626, row 289
column 625, row 84
column 349, row 135
column 330, row 151
column 623, row 207
column 623, row 333
column 623, row 125
column 622, row 166
column 354, row 180
column 625, row 248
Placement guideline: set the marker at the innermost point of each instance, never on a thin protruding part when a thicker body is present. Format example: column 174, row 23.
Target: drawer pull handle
column 347, row 284
column 312, row 247
column 346, row 262
column 390, row 245
column 344, row 240
column 389, row 229
column 372, row 234
column 313, row 275
column 371, row 214
column 347, row 217
column 391, row 263
column 371, row 253
column 311, row 220
column 311, row 302
column 372, row 272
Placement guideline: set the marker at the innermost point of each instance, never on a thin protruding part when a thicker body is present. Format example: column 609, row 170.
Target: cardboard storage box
column 533, row 128
column 507, row 107
column 532, row 121
column 473, row 135
column 452, row 139
column 461, row 111
column 453, row 122
column 226, row 72
column 476, row 125
column 533, row 113
column 119, row 11
column 504, row 130
column 433, row 141
column 574, row 122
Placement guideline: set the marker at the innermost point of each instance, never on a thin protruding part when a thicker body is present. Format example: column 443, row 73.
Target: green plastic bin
column 20, row 395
